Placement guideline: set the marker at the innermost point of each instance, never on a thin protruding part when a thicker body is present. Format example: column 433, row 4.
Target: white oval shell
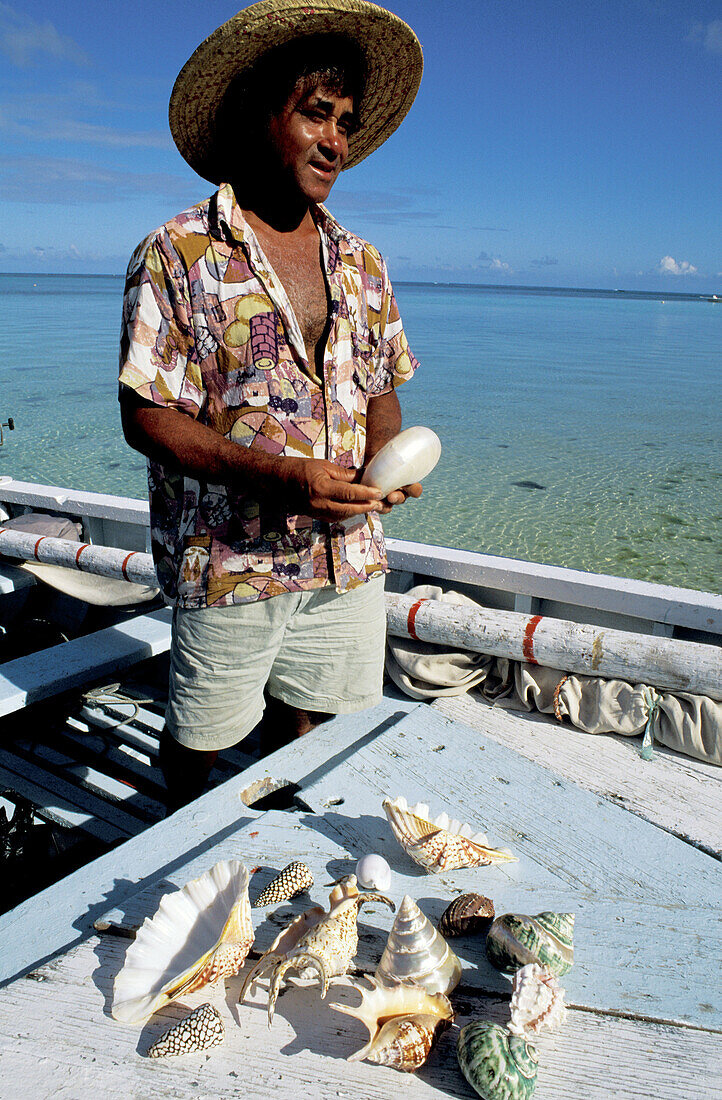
column 410, row 456
column 198, row 934
column 373, row 872
column 416, row 952
column 439, row 843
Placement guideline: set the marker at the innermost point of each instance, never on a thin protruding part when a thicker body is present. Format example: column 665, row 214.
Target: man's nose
column 333, row 142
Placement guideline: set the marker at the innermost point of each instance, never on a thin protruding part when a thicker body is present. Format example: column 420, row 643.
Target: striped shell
column 199, row 934
column 416, row 952
column 293, row 880
column 498, row 1065
column 514, row 940
column 402, row 1020
column 537, row 1001
column 439, row 844
column 200, row 1029
column 468, row 915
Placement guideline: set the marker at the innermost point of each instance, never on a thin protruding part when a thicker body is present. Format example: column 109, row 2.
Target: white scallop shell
column 198, row 935
column 440, row 843
column 537, row 1001
column 373, row 872
column 410, row 456
column 416, row 952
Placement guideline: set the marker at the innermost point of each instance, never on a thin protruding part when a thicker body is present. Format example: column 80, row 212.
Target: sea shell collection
column 203, row 933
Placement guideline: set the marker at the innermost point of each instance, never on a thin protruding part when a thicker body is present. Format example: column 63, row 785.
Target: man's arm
column 309, row 486
column 383, row 422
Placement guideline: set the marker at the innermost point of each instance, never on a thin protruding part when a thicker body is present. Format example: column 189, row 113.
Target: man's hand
column 319, row 488
column 398, row 496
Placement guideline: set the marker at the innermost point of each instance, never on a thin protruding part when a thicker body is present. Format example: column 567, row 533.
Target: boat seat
column 82, row 660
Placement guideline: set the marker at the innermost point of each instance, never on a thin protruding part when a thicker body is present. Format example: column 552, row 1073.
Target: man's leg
column 185, row 771
column 283, row 723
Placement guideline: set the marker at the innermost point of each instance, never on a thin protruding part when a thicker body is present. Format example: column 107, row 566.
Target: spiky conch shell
column 415, row 951
column 537, row 1001
column 515, row 940
column 403, row 1020
column 293, row 880
column 200, row 1029
column 316, row 941
column 467, row 915
column 440, row 843
column 198, row 935
column 497, row 1065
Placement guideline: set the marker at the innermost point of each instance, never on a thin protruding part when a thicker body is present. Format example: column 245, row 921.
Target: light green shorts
column 317, row 650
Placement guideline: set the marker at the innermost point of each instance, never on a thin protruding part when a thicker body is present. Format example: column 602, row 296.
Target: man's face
column 309, row 136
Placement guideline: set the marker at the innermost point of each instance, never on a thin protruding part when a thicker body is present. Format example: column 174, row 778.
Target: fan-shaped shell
column 467, row 915
column 416, row 952
column 200, row 1029
column 514, row 940
column 537, row 1001
column 499, row 1066
column 440, row 843
column 402, row 1020
column 199, row 934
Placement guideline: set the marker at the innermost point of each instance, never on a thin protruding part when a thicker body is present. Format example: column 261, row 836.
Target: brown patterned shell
column 468, row 915
column 405, row 1044
column 293, row 880
column 199, row 1030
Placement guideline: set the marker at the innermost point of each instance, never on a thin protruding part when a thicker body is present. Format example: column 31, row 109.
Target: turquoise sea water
column 578, row 429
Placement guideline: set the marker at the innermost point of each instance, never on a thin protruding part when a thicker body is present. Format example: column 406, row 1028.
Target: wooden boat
column 631, row 845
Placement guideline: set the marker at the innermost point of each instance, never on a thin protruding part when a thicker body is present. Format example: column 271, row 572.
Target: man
column 260, row 353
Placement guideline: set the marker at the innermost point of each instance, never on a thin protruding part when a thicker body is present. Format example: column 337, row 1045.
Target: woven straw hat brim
column 394, row 64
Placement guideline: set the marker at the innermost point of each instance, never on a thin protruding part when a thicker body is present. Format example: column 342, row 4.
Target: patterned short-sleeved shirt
column 208, row 329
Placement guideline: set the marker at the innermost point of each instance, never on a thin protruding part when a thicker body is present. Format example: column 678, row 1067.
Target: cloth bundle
column 691, row 724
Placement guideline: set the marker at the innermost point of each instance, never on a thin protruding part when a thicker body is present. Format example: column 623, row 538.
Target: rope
column 111, row 694
column 652, row 701
column 557, row 702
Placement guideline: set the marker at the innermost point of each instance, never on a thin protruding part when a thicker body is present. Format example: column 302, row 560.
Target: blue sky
column 552, row 143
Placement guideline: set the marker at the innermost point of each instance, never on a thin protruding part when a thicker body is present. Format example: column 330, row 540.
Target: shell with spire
column 515, row 939
column 403, row 1020
column 198, row 935
column 320, row 941
column 440, row 843
column 415, row 951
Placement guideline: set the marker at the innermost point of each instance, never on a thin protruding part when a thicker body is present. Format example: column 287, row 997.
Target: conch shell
column 200, row 1029
column 537, row 1001
column 416, row 952
column 514, row 940
column 198, row 935
column 402, row 1020
column 439, row 844
column 498, row 1065
column 319, row 941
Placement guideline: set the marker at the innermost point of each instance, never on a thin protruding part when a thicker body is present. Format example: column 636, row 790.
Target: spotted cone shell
column 498, row 1065
column 201, row 1029
column 293, row 880
column 468, row 915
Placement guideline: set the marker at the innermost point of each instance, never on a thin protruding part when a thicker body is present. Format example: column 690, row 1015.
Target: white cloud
column 494, row 264
column 709, row 34
column 669, row 266
column 26, row 41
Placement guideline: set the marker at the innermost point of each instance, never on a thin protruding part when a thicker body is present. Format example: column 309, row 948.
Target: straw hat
column 390, row 49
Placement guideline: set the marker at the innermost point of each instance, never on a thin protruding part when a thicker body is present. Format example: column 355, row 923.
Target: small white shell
column 439, row 843
column 537, row 1001
column 410, row 456
column 373, row 872
column 198, row 935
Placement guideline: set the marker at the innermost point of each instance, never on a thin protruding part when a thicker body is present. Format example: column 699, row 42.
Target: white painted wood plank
column 59, row 916
column 620, row 595
column 56, row 1039
column 72, row 664
column 675, row 792
column 75, row 502
column 59, row 809
column 13, row 579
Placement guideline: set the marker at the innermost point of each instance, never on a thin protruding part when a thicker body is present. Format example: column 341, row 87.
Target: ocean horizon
column 580, row 427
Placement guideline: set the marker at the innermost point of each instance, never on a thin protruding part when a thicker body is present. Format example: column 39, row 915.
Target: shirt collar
column 231, row 223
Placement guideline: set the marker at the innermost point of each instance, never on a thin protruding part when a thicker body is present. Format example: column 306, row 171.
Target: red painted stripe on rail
column 122, row 568
column 80, row 551
column 413, row 611
column 35, row 551
column 528, row 646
